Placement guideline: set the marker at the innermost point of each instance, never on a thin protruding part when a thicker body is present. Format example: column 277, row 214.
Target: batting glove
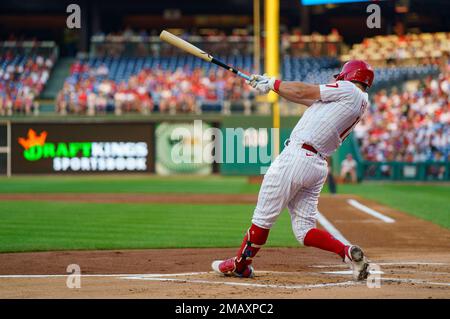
column 262, row 83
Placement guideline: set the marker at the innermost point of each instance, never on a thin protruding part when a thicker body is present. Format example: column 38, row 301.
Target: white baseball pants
column 295, row 180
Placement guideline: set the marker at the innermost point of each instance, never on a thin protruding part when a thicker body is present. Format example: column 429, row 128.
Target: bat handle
column 229, row 68
column 243, row 75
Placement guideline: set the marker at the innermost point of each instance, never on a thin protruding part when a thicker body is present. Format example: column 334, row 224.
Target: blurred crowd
column 402, row 49
column 90, row 91
column 129, row 42
column 237, row 41
column 409, row 126
column 21, row 82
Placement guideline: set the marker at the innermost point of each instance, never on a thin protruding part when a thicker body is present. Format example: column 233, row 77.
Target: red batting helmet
column 356, row 70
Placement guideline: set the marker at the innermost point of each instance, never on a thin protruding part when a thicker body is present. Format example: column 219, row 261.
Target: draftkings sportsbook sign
column 82, row 148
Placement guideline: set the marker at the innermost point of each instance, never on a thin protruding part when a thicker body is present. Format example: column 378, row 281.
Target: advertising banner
column 184, row 148
column 82, row 148
column 247, row 144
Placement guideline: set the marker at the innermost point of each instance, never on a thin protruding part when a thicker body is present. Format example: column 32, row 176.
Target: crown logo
column 33, row 139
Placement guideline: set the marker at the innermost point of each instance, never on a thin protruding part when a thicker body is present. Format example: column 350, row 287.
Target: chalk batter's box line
column 245, row 284
column 210, row 272
column 303, row 286
column 105, row 275
column 166, row 278
column 406, row 263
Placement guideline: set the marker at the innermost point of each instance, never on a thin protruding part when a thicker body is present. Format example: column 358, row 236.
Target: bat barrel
column 184, row 45
column 192, row 49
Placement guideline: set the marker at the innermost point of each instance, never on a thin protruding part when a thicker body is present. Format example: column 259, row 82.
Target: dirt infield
column 413, row 256
column 136, row 198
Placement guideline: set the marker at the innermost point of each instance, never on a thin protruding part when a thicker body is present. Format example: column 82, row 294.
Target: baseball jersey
column 328, row 121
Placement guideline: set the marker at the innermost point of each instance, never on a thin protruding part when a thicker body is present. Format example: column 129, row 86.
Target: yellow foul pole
column 256, row 36
column 272, row 58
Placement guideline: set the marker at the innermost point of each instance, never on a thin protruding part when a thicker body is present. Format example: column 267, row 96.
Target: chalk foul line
column 331, row 229
column 370, row 211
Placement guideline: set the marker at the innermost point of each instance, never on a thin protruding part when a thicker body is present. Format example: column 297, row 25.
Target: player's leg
column 343, row 174
column 303, row 211
column 240, row 265
column 353, row 177
column 274, row 194
column 272, row 199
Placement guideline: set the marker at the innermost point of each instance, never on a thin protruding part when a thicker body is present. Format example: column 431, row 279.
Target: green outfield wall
column 165, row 145
column 248, row 142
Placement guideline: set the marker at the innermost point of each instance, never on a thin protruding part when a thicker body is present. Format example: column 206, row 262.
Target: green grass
column 429, row 202
column 39, row 226
column 127, row 184
column 34, row 226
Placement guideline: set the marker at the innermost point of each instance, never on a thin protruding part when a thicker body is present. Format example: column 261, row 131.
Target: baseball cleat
column 228, row 268
column 354, row 256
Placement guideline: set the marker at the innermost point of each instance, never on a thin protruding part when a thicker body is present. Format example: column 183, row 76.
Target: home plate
column 349, row 272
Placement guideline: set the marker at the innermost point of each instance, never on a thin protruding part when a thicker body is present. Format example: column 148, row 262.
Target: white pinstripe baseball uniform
column 296, row 177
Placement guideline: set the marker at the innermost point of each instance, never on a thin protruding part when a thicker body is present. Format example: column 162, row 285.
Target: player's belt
column 306, row 146
column 309, row 148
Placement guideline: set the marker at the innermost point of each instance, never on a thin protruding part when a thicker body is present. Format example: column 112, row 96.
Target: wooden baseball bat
column 192, row 49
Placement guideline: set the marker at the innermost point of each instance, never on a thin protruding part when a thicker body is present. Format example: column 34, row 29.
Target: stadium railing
column 404, row 171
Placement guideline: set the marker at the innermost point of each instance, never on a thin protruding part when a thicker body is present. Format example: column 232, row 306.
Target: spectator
column 22, row 79
column 409, row 126
column 348, row 167
column 90, row 90
column 131, row 42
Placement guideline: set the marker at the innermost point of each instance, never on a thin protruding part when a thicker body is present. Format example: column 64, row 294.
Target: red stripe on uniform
column 349, row 128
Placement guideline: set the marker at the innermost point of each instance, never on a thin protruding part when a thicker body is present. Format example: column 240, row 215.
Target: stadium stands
column 176, row 78
column 146, row 85
column 401, row 50
column 129, row 43
column 24, row 71
column 321, row 70
column 408, row 126
column 174, row 90
column 310, row 69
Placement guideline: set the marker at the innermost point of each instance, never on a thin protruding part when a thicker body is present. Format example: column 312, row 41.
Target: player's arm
column 297, row 92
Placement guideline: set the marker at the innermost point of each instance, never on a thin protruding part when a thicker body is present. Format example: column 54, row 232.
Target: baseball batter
column 295, row 178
